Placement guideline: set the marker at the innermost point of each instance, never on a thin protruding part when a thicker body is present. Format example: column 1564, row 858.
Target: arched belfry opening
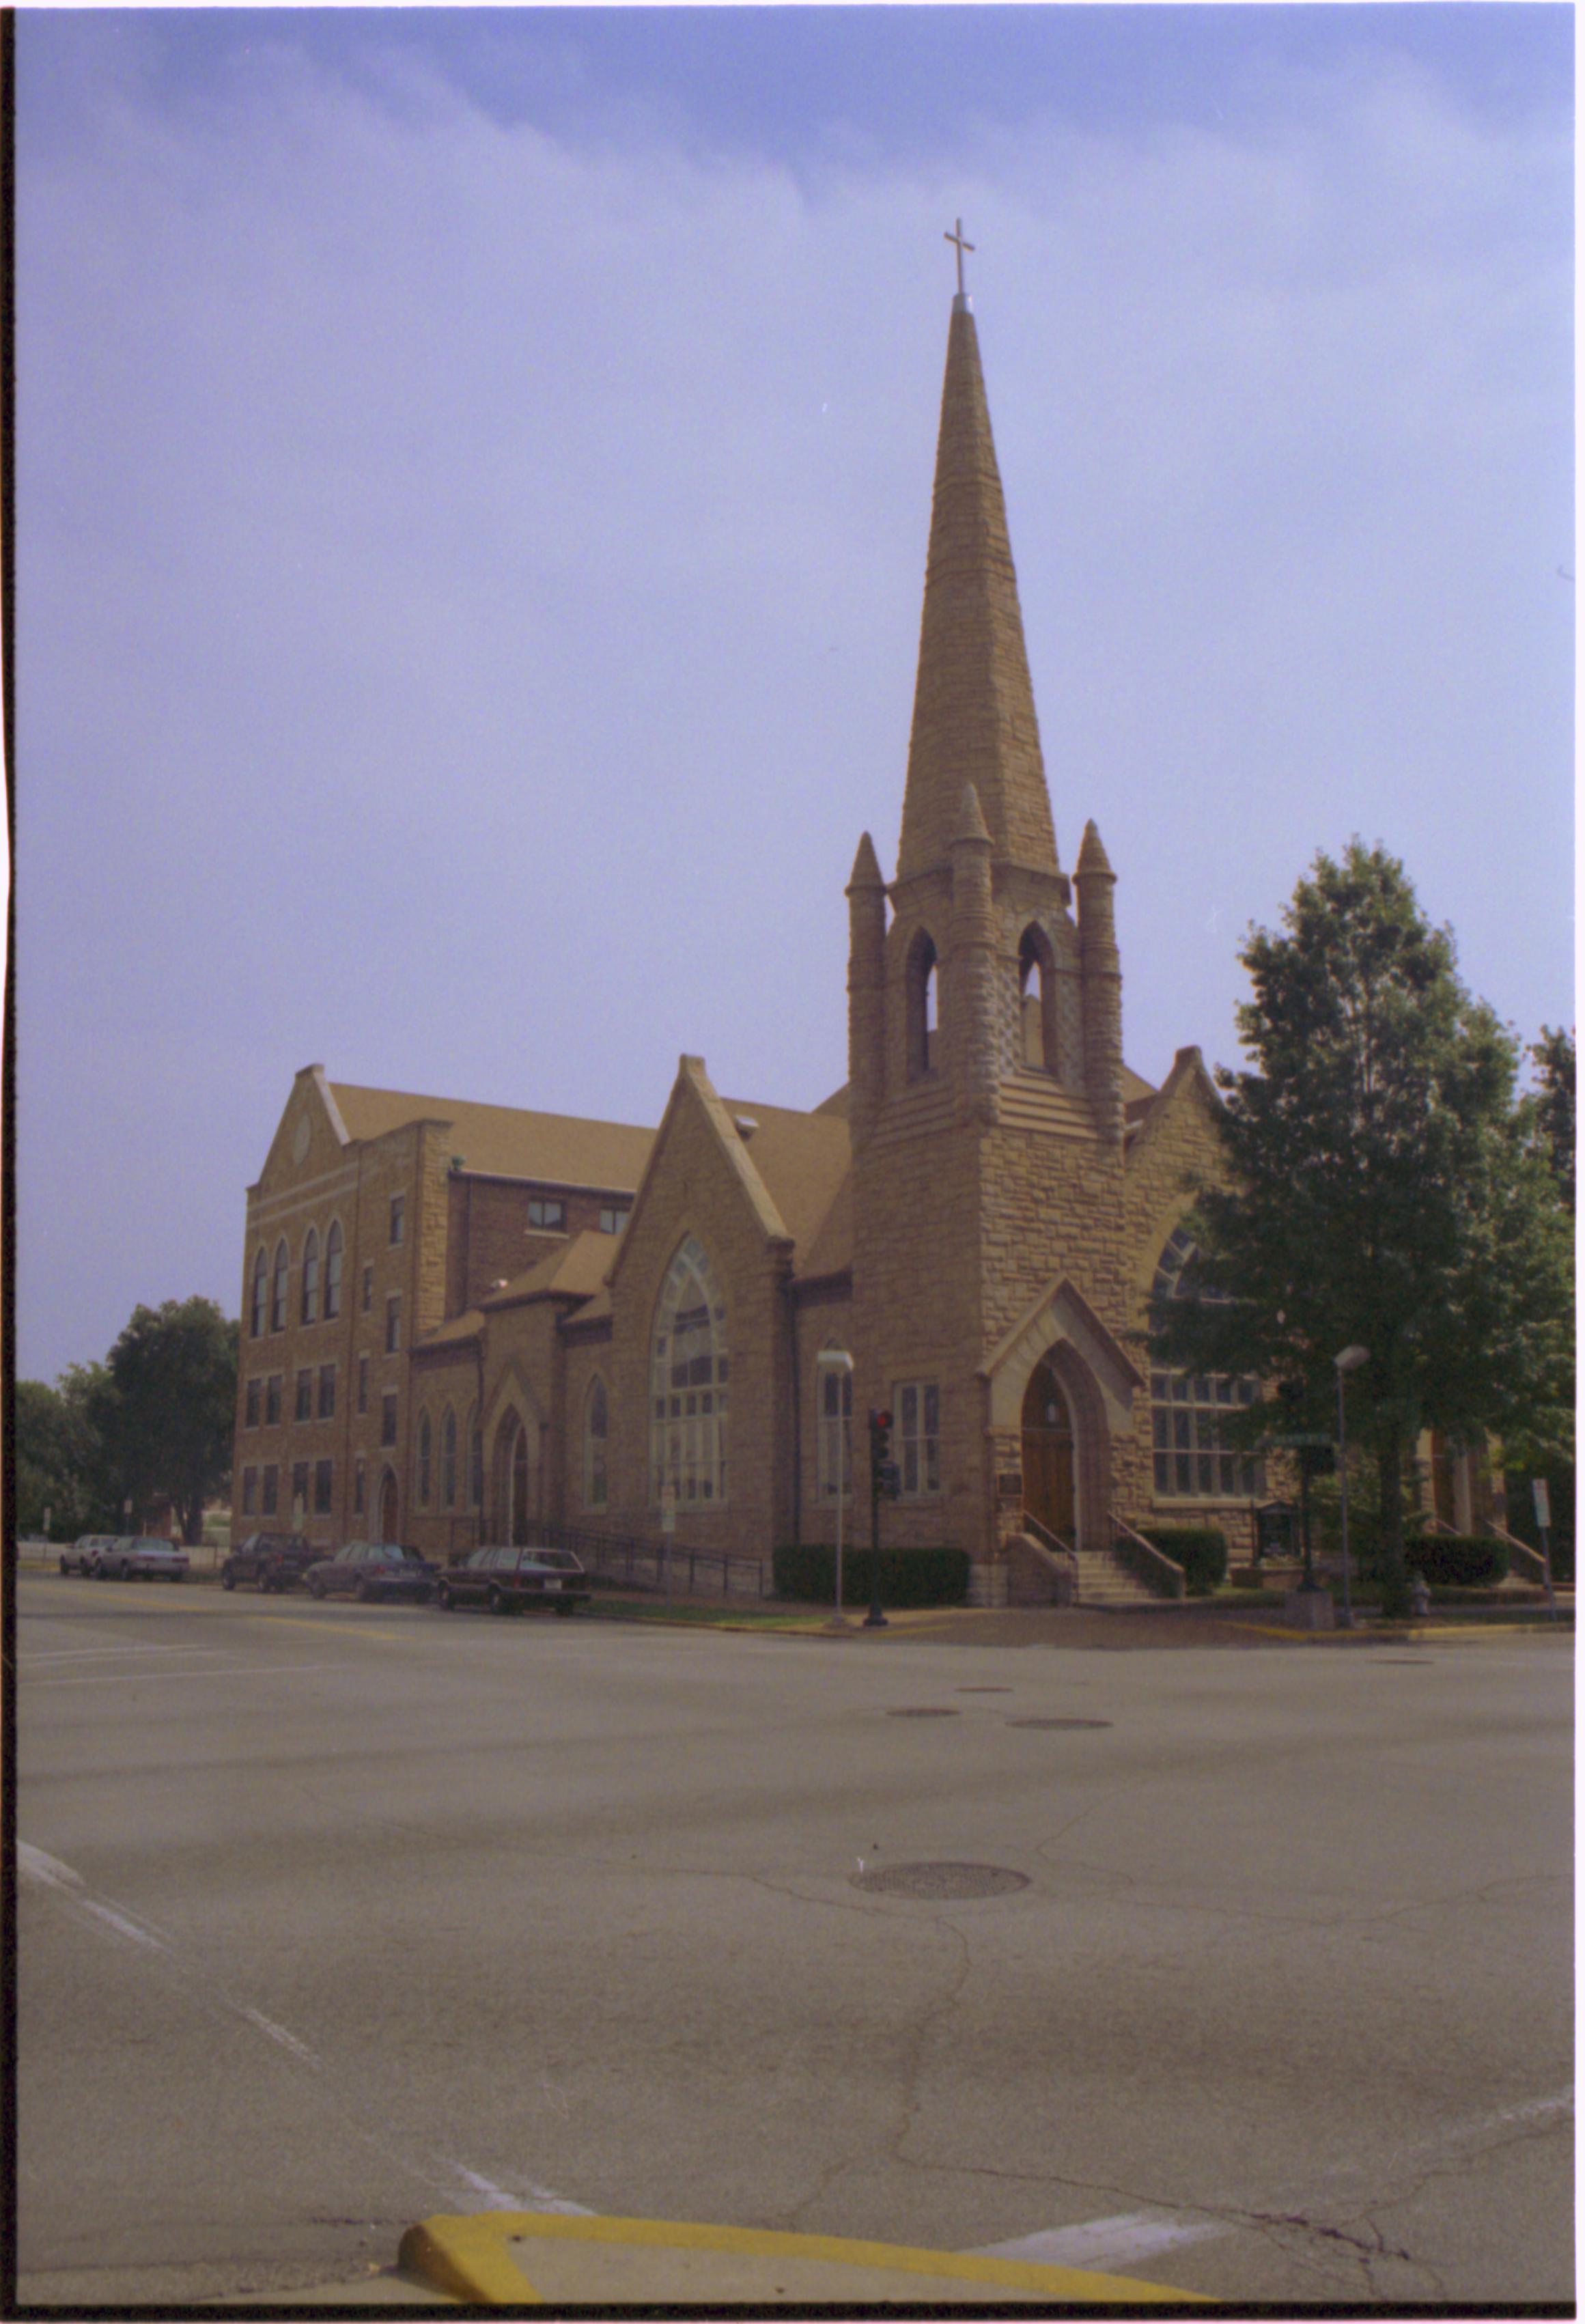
column 1050, row 1475
column 923, row 985
column 1037, row 1001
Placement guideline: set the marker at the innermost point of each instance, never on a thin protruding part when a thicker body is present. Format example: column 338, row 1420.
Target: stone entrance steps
column 1103, row 1579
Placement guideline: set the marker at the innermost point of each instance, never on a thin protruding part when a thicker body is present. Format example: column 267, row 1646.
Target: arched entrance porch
column 516, row 1484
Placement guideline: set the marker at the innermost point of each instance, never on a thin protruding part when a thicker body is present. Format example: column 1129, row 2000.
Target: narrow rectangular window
column 272, row 1482
column 250, row 1492
column 398, row 1217
column 272, row 1387
column 305, row 1396
column 327, row 1391
column 363, row 1383
column 300, row 1488
column 547, row 1217
column 358, row 1490
column 322, row 1476
column 915, row 1407
column 368, row 1288
column 393, row 1323
column 255, row 1405
column 388, row 1417
column 477, row 1470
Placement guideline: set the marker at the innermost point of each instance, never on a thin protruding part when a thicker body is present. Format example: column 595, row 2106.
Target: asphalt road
column 331, row 1917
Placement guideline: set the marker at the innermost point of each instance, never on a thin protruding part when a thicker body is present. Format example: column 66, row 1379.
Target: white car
column 140, row 1557
column 84, row 1553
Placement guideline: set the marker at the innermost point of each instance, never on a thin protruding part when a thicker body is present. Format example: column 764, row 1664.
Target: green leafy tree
column 58, row 1460
column 1553, row 1056
column 166, row 1406
column 1383, row 1187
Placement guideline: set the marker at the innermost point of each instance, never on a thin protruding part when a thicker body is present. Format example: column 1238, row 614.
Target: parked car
column 506, row 1580
column 274, row 1561
column 141, row 1557
column 370, row 1570
column 83, row 1555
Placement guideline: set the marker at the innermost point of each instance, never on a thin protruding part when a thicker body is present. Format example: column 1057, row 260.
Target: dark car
column 274, row 1561
column 506, row 1580
column 371, row 1570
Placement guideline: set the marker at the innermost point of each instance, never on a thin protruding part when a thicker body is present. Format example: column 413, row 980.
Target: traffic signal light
column 883, row 1469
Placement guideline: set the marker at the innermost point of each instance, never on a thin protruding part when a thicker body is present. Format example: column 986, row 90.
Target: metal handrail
column 1046, row 1539
column 1524, row 1548
column 642, row 1562
column 1155, row 1562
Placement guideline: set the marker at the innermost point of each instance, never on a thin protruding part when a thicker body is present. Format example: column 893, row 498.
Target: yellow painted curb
column 466, row 2256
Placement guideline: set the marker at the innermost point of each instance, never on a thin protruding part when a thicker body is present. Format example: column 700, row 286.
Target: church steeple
column 973, row 708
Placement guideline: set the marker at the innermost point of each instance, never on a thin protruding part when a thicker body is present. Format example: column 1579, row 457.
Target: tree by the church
column 57, row 1467
column 166, row 1405
column 1385, row 1187
column 1553, row 1057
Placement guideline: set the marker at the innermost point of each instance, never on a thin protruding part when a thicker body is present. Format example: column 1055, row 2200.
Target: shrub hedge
column 1200, row 1550
column 807, row 1573
column 1457, row 1561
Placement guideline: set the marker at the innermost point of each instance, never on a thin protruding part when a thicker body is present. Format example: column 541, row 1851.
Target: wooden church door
column 1048, row 1454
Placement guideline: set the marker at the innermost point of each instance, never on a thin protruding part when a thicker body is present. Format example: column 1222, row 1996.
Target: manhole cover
column 942, row 1880
column 929, row 1710
column 1059, row 1722
column 982, row 1690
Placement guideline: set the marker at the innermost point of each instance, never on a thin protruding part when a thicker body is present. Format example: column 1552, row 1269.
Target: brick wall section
column 489, row 1238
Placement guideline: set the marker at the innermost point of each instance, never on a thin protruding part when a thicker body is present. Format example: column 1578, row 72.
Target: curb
column 467, row 2257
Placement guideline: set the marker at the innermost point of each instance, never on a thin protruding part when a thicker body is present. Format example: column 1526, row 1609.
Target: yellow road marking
column 467, row 2256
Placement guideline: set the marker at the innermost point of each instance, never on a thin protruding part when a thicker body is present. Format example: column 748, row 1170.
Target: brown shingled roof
column 802, row 1159
column 507, row 1141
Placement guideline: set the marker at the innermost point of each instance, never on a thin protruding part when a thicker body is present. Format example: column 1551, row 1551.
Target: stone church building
column 459, row 1320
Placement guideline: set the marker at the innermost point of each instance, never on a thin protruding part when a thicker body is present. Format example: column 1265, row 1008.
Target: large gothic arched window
column 1189, row 1411
column 688, row 1371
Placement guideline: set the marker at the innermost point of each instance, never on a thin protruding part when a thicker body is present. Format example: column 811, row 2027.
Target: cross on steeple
column 962, row 246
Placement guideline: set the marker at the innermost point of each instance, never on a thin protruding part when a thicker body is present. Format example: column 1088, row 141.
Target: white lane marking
column 34, row 1864
column 1134, row 2236
column 496, row 2198
column 273, row 2032
column 103, row 1654
column 170, row 1677
column 1109, row 2243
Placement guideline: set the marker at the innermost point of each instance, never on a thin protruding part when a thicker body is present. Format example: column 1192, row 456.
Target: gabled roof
column 802, row 1160
column 506, row 1141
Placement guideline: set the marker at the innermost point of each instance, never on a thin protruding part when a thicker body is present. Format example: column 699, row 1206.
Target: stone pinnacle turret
column 973, row 706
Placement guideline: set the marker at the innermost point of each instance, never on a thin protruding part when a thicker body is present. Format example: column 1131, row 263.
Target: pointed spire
column 973, row 708
column 1092, row 857
column 970, row 824
column 866, row 868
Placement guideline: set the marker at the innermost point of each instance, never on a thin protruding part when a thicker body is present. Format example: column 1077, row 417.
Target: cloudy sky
column 473, row 478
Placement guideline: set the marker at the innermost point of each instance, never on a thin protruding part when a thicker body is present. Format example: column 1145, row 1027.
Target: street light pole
column 1349, row 1361
column 839, row 1364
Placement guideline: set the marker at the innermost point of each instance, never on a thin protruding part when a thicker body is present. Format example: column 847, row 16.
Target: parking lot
column 1248, row 1972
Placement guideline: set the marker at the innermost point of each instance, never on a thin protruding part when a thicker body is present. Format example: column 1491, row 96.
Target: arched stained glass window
column 310, row 1299
column 278, row 1292
column 689, row 1372
column 333, row 1253
column 261, row 1282
column 1191, row 1457
column 425, row 1447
